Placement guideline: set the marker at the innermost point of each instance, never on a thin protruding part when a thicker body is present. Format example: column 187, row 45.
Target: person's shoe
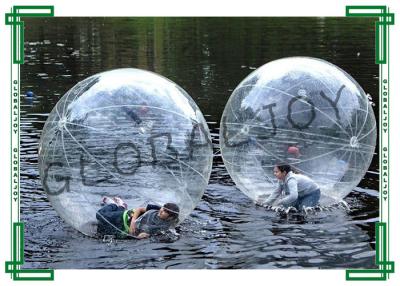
column 107, row 200
column 120, row 202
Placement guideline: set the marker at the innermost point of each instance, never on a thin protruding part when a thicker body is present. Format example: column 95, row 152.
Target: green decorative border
column 381, row 259
column 14, row 20
column 13, row 267
column 381, row 30
column 385, row 267
column 17, row 234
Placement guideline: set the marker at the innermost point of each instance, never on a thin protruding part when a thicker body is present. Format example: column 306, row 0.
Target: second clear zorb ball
column 125, row 133
column 302, row 111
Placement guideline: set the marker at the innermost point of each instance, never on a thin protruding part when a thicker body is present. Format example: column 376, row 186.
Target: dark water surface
column 208, row 57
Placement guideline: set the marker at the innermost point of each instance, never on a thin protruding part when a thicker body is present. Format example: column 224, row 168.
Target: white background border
column 198, row 8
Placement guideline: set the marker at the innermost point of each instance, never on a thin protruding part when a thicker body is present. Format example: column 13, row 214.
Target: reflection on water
column 208, row 57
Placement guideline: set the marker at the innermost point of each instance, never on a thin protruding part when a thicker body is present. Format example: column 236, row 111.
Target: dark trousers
column 110, row 220
column 310, row 200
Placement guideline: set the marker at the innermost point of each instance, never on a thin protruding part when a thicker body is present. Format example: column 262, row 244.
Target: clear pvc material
column 305, row 112
column 127, row 133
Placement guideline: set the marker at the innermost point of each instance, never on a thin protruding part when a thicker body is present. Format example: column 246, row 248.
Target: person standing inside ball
column 294, row 190
column 114, row 218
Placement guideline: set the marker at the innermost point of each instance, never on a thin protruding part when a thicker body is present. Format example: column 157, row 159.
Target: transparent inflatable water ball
column 127, row 133
column 305, row 112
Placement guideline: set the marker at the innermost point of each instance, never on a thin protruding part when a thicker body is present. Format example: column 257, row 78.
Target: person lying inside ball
column 294, row 190
column 116, row 219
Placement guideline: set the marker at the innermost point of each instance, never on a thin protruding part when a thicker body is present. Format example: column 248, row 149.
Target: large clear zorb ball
column 304, row 112
column 127, row 133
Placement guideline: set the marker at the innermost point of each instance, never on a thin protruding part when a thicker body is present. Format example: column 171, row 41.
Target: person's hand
column 260, row 200
column 142, row 235
column 133, row 227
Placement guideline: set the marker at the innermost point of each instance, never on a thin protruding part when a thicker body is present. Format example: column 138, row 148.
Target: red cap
column 293, row 150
